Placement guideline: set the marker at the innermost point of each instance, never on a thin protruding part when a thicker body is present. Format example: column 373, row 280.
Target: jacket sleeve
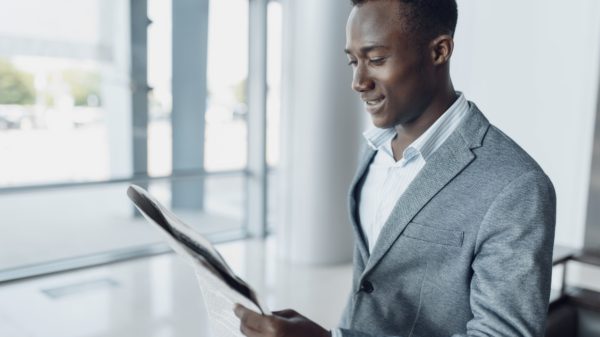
column 512, row 264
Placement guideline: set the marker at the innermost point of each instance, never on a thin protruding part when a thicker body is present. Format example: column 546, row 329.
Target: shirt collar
column 431, row 139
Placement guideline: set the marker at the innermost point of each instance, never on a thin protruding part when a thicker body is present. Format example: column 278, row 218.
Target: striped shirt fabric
column 387, row 179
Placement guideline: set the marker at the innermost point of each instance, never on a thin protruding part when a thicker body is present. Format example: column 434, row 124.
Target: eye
column 377, row 60
column 351, row 62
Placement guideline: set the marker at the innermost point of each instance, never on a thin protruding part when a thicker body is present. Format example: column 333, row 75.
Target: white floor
column 158, row 296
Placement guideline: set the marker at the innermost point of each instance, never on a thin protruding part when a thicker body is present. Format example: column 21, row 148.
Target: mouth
column 373, row 105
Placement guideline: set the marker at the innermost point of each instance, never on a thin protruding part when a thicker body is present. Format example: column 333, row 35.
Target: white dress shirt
column 387, row 179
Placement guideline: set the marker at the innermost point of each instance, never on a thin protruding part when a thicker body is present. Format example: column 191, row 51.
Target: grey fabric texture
column 467, row 250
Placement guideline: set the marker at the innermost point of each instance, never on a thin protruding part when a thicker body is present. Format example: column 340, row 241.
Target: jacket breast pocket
column 435, row 235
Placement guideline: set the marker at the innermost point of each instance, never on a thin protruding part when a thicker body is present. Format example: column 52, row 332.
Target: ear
column 441, row 49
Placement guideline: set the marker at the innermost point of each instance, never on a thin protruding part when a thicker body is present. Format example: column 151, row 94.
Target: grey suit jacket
column 467, row 250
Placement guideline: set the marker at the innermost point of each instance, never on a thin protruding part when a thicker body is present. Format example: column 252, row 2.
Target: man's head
column 400, row 51
column 428, row 18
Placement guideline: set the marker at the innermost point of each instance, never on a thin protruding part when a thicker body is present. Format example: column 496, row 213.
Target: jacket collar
column 442, row 166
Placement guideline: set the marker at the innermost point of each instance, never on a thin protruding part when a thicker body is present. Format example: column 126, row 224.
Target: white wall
column 532, row 67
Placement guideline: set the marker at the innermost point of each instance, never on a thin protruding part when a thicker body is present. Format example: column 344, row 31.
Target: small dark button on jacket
column 367, row 287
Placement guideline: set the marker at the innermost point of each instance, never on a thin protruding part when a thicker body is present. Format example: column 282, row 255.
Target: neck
column 409, row 132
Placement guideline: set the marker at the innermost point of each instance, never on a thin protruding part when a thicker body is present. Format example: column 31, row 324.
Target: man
column 454, row 221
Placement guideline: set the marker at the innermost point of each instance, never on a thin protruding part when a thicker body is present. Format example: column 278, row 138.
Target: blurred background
column 238, row 115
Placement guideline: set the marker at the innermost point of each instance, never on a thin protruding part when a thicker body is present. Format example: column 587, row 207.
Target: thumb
column 250, row 319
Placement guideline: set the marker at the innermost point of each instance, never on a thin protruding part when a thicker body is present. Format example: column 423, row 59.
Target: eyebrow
column 367, row 49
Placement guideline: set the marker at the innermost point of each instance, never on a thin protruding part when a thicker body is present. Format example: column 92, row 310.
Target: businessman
column 454, row 222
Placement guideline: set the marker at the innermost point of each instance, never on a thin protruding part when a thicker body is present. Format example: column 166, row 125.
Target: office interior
column 239, row 115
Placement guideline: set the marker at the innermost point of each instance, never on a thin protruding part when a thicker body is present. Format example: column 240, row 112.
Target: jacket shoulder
column 500, row 155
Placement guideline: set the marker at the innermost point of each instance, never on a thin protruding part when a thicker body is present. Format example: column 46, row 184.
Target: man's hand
column 282, row 323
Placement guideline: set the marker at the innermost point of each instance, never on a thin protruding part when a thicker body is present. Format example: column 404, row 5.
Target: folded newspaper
column 219, row 285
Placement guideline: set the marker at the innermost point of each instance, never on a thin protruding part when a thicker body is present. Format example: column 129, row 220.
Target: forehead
column 375, row 22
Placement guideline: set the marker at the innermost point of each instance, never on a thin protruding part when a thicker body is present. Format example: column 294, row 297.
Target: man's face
column 391, row 72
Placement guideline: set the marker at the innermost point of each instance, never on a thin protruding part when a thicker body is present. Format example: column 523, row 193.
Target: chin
column 381, row 122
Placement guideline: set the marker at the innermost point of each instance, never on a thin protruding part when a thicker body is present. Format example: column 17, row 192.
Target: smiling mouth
column 373, row 105
column 374, row 102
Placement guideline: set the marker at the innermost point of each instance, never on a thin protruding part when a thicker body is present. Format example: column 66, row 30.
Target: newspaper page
column 219, row 285
column 219, row 301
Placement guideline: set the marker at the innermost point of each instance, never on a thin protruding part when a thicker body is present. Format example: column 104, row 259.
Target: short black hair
column 427, row 18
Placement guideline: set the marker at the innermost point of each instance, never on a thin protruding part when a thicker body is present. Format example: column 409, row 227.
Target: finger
column 249, row 332
column 249, row 319
column 285, row 313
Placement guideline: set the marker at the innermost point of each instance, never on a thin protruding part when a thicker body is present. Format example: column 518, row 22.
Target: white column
column 321, row 130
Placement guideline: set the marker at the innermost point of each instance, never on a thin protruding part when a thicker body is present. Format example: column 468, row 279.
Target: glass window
column 226, row 133
column 274, row 52
column 273, row 81
column 66, row 116
column 159, row 79
column 62, row 90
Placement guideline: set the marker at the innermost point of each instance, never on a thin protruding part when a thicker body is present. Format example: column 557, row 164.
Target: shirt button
column 367, row 287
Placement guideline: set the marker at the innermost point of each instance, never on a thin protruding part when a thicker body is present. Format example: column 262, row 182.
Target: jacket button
column 367, row 287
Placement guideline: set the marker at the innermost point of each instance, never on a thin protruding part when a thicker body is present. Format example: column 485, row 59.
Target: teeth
column 373, row 102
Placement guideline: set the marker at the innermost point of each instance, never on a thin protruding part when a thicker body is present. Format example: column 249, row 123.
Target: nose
column 361, row 81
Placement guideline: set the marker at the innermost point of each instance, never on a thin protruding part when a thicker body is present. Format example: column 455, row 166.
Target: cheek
column 405, row 84
column 394, row 77
column 403, row 90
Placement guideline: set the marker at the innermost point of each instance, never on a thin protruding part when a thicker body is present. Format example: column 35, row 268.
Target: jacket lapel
column 354, row 195
column 441, row 167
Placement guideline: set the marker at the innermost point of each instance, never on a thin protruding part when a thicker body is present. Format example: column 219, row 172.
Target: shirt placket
column 387, row 192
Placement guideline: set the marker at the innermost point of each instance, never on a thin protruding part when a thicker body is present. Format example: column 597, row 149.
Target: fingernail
column 238, row 310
